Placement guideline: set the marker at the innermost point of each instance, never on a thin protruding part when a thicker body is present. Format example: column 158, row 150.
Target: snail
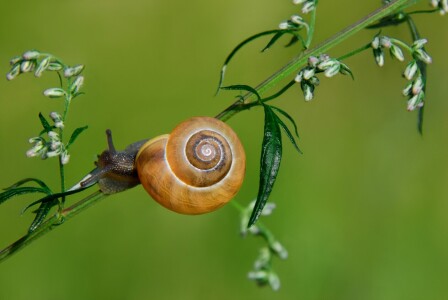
column 196, row 169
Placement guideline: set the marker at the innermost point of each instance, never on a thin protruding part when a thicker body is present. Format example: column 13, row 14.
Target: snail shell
column 197, row 168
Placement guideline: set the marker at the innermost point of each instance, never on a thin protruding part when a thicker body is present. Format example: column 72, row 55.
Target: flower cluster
column 380, row 43
column 414, row 90
column 33, row 61
column 263, row 272
column 307, row 75
column 52, row 147
column 307, row 5
column 442, row 5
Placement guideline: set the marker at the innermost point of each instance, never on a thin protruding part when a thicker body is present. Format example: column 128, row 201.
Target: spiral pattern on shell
column 196, row 169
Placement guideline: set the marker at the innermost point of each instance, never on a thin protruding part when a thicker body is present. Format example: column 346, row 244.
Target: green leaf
column 17, row 191
column 75, row 134
column 274, row 39
column 25, row 180
column 271, row 155
column 288, row 133
column 52, row 197
column 41, row 214
column 242, row 87
column 236, row 49
column 47, row 127
column 284, row 113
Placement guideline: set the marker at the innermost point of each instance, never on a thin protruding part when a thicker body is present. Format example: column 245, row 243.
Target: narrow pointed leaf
column 271, row 155
column 47, row 127
column 274, row 39
column 236, row 49
column 75, row 134
column 52, row 197
column 288, row 133
column 284, row 113
column 20, row 191
column 41, row 214
column 26, row 180
column 242, row 87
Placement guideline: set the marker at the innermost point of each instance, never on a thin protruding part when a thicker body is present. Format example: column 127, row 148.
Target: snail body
column 196, row 169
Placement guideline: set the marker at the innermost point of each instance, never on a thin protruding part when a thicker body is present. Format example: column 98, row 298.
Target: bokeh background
column 362, row 211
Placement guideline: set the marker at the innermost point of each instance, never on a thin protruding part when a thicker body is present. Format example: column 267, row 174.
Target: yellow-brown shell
column 196, row 169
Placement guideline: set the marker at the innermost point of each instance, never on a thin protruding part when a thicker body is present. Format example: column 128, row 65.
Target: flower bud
column 43, row 65
column 308, row 73
column 14, row 72
column 73, row 71
column 32, row 54
column 26, row 66
column 54, row 66
column 54, row 92
column 333, row 70
column 418, row 44
column 396, row 52
column 411, row 70
column 76, row 85
column 379, row 56
column 423, row 56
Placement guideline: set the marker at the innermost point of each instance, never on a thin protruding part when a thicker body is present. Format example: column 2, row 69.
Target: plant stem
column 57, row 219
column 297, row 62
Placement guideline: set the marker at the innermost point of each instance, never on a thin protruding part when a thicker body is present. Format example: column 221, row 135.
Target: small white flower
column 77, row 84
column 54, row 92
column 65, row 157
column 283, row 25
column 418, row 44
column 375, row 43
column 32, row 54
column 299, row 77
column 385, row 42
column 397, row 53
column 307, row 92
column 411, row 70
column 308, row 7
column 423, row 56
column 333, row 70
column 308, row 73
column 14, row 72
column 73, row 71
column 417, row 86
column 279, row 250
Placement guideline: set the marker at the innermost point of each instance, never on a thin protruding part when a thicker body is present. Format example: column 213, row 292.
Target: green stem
column 295, row 64
column 47, row 226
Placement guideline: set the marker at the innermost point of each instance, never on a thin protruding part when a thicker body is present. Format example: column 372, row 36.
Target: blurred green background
column 362, row 212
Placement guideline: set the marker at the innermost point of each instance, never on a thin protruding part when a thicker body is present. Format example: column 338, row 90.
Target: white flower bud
column 77, row 84
column 313, row 61
column 407, row 91
column 333, row 70
column 411, row 70
column 418, row 44
column 307, row 91
column 308, row 7
column 298, row 1
column 15, row 60
column 417, row 85
column 54, row 92
column 279, row 250
column 32, row 54
column 385, row 42
column 54, row 66
column 14, row 72
column 43, row 65
column 65, row 157
column 283, row 25
column 379, row 56
column 376, row 42
column 274, row 281
column 73, row 71
column 423, row 56
column 299, row 77
column 308, row 73
column 396, row 52
column 26, row 66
